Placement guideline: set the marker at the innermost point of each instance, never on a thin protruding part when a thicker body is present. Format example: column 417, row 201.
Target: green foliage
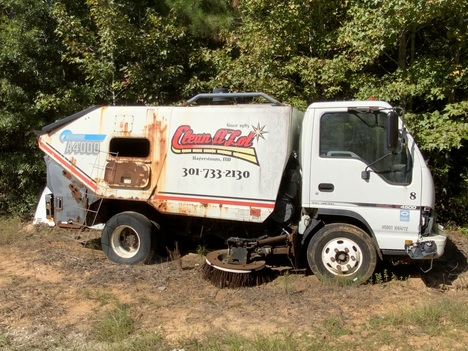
column 127, row 53
column 59, row 57
column 276, row 50
column 204, row 18
column 29, row 66
column 202, row 250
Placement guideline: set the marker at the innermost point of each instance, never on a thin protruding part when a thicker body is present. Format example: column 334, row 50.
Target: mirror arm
column 365, row 174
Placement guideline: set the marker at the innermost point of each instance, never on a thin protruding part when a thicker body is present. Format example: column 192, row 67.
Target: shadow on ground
column 449, row 271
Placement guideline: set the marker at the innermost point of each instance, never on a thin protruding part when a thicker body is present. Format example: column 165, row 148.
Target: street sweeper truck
column 334, row 190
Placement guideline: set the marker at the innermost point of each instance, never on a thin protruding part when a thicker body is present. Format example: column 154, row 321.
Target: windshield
column 362, row 135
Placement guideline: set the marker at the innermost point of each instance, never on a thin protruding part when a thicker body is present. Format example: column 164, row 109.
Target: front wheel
column 343, row 253
column 127, row 238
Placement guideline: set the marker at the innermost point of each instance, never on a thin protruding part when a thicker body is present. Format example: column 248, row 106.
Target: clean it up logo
column 225, row 141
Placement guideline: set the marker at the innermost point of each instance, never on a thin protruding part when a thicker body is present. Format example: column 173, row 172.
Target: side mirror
column 392, row 131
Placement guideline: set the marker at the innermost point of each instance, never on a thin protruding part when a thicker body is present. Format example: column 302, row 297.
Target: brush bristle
column 223, row 279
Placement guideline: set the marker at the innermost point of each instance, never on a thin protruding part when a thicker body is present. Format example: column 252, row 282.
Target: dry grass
column 59, row 294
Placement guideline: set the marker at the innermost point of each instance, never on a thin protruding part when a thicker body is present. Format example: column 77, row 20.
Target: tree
column 278, row 48
column 412, row 53
column 30, row 68
column 59, row 57
column 128, row 53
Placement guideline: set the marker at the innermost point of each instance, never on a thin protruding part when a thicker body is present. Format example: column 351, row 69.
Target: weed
column 116, row 325
column 286, row 283
column 335, row 327
column 202, row 250
column 175, row 255
column 4, row 341
column 102, row 297
column 378, row 278
column 385, row 276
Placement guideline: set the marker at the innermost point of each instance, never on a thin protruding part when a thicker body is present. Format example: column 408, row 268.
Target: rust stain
column 101, row 118
column 157, row 129
column 78, row 184
column 124, row 127
column 76, row 193
column 66, row 174
column 162, row 206
column 128, row 173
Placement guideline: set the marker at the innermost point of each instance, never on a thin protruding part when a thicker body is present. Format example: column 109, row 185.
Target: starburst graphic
column 259, row 131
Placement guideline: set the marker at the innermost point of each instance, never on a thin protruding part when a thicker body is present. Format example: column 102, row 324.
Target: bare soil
column 51, row 283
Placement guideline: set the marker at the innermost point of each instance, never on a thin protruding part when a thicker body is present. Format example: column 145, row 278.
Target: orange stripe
column 214, row 201
column 64, row 162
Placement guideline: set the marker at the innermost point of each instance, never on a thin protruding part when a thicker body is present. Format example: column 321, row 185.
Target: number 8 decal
column 412, row 196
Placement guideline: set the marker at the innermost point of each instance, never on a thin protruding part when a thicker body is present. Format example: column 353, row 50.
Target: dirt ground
column 51, row 283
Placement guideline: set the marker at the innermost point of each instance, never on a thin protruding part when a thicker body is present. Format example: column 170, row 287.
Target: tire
column 127, row 238
column 342, row 253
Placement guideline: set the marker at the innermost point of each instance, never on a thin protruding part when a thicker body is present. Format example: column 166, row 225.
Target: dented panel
column 127, row 173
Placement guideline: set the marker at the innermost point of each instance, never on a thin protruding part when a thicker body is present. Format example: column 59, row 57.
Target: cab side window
column 363, row 136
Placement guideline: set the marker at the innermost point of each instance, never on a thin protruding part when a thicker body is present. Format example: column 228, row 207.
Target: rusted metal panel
column 127, row 173
column 223, row 162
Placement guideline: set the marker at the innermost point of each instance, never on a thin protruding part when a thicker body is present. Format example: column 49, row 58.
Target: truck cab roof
column 350, row 104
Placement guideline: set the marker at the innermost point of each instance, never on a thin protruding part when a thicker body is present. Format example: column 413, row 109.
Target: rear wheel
column 343, row 253
column 128, row 238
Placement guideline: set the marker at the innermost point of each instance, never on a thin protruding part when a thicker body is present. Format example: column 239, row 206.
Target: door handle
column 326, row 187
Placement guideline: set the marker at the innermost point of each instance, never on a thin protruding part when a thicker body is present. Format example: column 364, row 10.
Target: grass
column 101, row 297
column 4, row 341
column 431, row 318
column 234, row 342
column 463, row 230
column 202, row 250
column 115, row 325
column 438, row 324
column 10, row 230
column 286, row 283
column 14, row 231
column 404, row 329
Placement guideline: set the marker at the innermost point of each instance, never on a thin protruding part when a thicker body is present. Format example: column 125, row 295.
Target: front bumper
column 428, row 247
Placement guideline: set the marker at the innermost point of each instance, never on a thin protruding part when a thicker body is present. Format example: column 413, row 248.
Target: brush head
column 228, row 275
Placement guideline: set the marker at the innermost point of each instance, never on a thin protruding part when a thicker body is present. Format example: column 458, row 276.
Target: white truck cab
column 349, row 170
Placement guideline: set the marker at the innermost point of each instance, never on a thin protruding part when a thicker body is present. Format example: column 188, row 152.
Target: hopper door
column 128, row 165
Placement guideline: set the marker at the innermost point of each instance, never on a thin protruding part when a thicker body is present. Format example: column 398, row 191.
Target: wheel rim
column 342, row 256
column 125, row 241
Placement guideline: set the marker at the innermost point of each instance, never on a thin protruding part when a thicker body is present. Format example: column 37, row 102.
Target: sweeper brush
column 223, row 272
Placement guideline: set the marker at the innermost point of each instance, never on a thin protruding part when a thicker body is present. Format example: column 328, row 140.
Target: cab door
column 348, row 143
